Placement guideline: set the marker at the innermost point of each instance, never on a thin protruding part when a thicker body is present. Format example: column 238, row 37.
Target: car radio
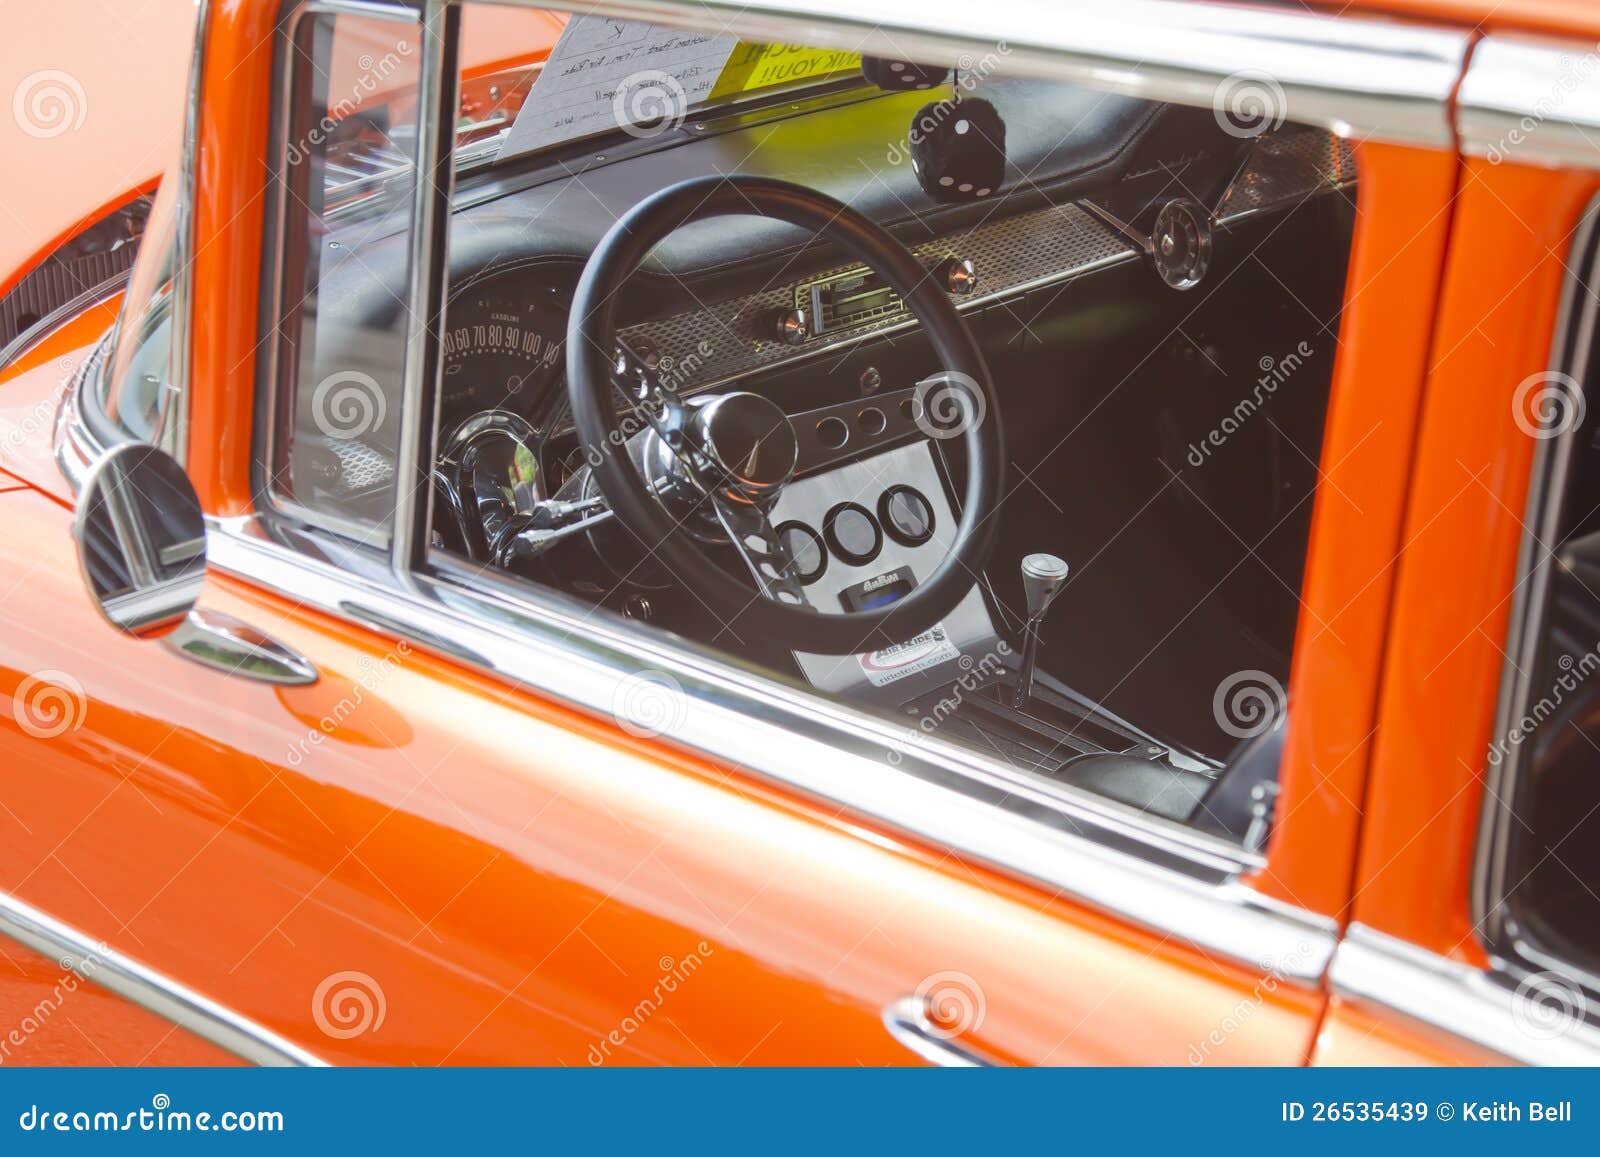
column 848, row 299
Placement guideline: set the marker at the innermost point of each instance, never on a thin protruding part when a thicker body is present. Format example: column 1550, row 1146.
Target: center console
column 865, row 533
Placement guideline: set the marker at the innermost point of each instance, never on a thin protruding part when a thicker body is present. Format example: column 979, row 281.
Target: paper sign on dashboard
column 605, row 74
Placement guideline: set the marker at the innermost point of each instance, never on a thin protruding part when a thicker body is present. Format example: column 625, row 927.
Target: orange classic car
column 804, row 532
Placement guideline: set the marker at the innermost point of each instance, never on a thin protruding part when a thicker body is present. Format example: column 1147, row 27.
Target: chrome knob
column 959, row 275
column 789, row 326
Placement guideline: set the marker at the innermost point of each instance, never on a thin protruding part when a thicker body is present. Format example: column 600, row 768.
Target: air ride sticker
column 893, row 663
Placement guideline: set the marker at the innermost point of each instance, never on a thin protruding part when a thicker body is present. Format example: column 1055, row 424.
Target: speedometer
column 501, row 351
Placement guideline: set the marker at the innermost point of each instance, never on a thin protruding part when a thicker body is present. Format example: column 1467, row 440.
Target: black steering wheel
column 671, row 469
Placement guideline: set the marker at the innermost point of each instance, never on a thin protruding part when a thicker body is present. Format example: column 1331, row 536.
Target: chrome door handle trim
column 908, row 1022
column 234, row 647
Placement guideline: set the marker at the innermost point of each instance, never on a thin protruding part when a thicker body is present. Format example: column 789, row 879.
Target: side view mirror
column 141, row 540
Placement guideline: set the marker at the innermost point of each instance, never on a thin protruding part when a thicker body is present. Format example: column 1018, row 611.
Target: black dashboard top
column 1062, row 141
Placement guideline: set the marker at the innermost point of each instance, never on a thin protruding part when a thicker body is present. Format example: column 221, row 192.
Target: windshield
column 534, row 81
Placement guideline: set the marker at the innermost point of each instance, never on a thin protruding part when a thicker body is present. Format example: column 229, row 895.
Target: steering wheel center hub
column 749, row 441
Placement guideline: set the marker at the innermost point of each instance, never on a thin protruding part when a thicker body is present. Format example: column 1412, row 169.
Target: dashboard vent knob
column 789, row 326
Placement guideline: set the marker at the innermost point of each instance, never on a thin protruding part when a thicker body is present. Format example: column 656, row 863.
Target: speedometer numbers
column 501, row 352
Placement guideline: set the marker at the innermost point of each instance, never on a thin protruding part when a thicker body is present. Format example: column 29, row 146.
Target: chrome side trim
column 1356, row 76
column 145, row 987
column 1160, row 876
column 1383, row 972
column 1525, row 99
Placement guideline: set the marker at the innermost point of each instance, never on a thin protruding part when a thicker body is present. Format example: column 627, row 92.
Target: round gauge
column 852, row 534
column 906, row 515
column 806, row 548
column 1180, row 244
column 501, row 350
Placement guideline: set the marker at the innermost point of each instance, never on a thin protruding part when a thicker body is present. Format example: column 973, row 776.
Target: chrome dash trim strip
column 1529, row 100
column 1357, row 76
column 1378, row 970
column 1065, row 840
column 145, row 987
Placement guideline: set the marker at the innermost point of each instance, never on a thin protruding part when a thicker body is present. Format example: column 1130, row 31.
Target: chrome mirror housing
column 141, row 540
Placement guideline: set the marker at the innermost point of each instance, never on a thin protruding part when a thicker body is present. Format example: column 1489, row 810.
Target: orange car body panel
column 55, row 1017
column 1403, row 220
column 106, row 89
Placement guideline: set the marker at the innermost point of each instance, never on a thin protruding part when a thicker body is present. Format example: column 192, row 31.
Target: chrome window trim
column 1512, row 105
column 1382, row 972
column 173, row 420
column 423, row 369
column 144, row 986
column 1363, row 77
column 275, row 228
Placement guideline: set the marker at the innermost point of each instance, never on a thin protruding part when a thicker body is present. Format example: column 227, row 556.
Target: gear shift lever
column 1043, row 578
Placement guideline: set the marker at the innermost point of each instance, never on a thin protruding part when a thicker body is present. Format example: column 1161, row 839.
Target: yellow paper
column 756, row 66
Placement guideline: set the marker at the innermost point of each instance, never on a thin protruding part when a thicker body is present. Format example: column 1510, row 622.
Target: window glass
column 1549, row 875
column 345, row 183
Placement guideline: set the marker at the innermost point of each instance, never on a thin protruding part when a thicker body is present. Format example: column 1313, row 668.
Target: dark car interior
column 1147, row 302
